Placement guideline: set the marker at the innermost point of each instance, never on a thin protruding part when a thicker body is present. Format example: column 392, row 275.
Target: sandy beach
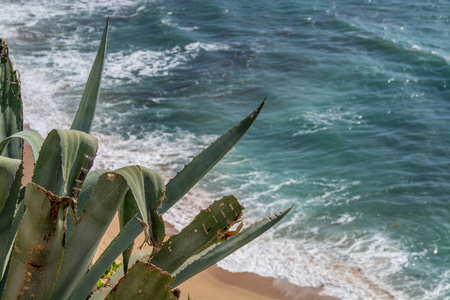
column 213, row 283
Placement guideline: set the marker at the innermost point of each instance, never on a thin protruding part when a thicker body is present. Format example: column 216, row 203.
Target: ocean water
column 355, row 131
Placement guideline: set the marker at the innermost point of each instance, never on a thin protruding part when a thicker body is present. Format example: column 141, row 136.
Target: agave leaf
column 11, row 120
column 9, row 168
column 217, row 252
column 3, row 280
column 87, row 189
column 125, row 237
column 81, row 245
column 65, row 158
column 12, row 236
column 85, row 113
column 147, row 187
column 201, row 164
column 115, row 278
column 143, row 281
column 13, row 231
column 11, row 171
column 128, row 210
column 108, row 193
column 83, row 197
column 208, row 227
column 33, row 138
column 38, row 250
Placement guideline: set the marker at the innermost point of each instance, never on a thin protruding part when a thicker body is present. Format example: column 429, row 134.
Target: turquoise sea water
column 355, row 131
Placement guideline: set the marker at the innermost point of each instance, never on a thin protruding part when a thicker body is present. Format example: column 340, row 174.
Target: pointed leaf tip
column 85, row 113
column 259, row 108
column 208, row 158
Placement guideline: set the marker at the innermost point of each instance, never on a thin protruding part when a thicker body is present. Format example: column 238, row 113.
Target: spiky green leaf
column 85, row 113
column 128, row 210
column 201, row 164
column 11, row 120
column 215, row 253
column 20, row 210
column 208, row 227
column 38, row 250
column 9, row 168
column 65, row 158
column 11, row 171
column 107, row 195
column 125, row 237
column 147, row 187
column 100, row 209
column 86, row 191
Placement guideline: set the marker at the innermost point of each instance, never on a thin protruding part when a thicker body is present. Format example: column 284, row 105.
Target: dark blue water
column 355, row 131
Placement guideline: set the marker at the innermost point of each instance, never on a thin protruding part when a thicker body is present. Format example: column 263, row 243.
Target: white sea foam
column 344, row 219
column 322, row 264
column 313, row 121
column 197, row 46
column 132, row 67
column 168, row 22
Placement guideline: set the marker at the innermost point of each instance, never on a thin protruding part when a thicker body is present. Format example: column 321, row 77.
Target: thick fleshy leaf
column 125, row 237
column 128, row 210
column 87, row 188
column 217, row 252
column 208, row 227
column 38, row 250
column 100, row 209
column 18, row 214
column 11, row 171
column 8, row 175
column 147, row 187
column 64, row 161
column 33, row 138
column 107, row 195
column 86, row 191
column 144, row 281
column 201, row 164
column 85, row 113
column 11, row 120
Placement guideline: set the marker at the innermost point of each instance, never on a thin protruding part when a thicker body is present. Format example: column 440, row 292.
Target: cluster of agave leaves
column 50, row 228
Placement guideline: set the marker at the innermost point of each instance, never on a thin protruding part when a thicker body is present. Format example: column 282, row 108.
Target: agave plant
column 51, row 227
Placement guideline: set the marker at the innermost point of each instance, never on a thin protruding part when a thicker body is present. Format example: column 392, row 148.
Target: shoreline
column 213, row 283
